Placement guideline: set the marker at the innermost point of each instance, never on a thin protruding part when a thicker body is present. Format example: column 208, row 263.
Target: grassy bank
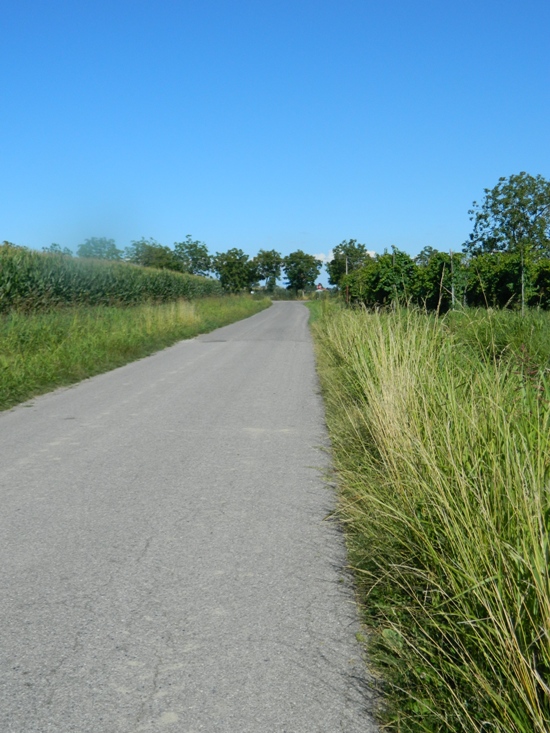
column 39, row 352
column 441, row 436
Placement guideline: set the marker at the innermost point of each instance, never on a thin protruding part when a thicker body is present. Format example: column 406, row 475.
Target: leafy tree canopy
column 100, row 248
column 235, row 270
column 193, row 256
column 348, row 255
column 268, row 265
column 513, row 217
column 150, row 253
column 57, row 249
column 301, row 270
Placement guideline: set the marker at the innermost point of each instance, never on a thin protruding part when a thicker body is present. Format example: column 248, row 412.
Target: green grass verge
column 320, row 307
column 441, row 442
column 39, row 352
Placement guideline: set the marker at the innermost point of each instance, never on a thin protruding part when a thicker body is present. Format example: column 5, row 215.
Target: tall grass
column 33, row 281
column 41, row 351
column 443, row 458
column 504, row 334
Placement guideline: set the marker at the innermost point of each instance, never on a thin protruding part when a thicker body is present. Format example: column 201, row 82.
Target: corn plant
column 34, row 281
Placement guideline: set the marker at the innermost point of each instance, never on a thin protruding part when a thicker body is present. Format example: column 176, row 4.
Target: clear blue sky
column 266, row 123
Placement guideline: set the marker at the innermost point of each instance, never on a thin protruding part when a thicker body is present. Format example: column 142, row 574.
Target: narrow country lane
column 165, row 561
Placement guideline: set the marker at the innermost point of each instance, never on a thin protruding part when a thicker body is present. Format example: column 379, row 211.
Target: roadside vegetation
column 440, row 429
column 99, row 258
column 505, row 262
column 42, row 351
column 33, row 281
column 63, row 319
column 436, row 376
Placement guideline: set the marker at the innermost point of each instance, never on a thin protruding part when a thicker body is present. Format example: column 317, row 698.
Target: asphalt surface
column 166, row 561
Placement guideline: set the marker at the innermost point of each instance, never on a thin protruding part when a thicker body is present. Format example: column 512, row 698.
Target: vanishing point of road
column 168, row 560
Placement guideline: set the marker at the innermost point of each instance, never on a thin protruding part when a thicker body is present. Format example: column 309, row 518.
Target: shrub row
column 33, row 281
column 434, row 281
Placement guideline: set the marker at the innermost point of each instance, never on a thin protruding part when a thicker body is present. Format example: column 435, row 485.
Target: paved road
column 165, row 565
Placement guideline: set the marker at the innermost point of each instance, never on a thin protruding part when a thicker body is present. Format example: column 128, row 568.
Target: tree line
column 235, row 270
column 504, row 263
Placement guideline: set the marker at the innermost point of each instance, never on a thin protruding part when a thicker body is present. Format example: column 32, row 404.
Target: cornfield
column 32, row 281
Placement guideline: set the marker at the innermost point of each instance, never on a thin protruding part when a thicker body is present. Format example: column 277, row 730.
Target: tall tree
column 268, row 265
column 193, row 256
column 235, row 270
column 515, row 214
column 349, row 255
column 515, row 218
column 301, row 270
column 99, row 248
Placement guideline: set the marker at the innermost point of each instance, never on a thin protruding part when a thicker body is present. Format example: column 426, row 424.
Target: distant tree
column 99, row 248
column 423, row 257
column 150, row 253
column 349, row 255
column 301, row 270
column 56, row 249
column 236, row 271
column 193, row 256
column 268, row 266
